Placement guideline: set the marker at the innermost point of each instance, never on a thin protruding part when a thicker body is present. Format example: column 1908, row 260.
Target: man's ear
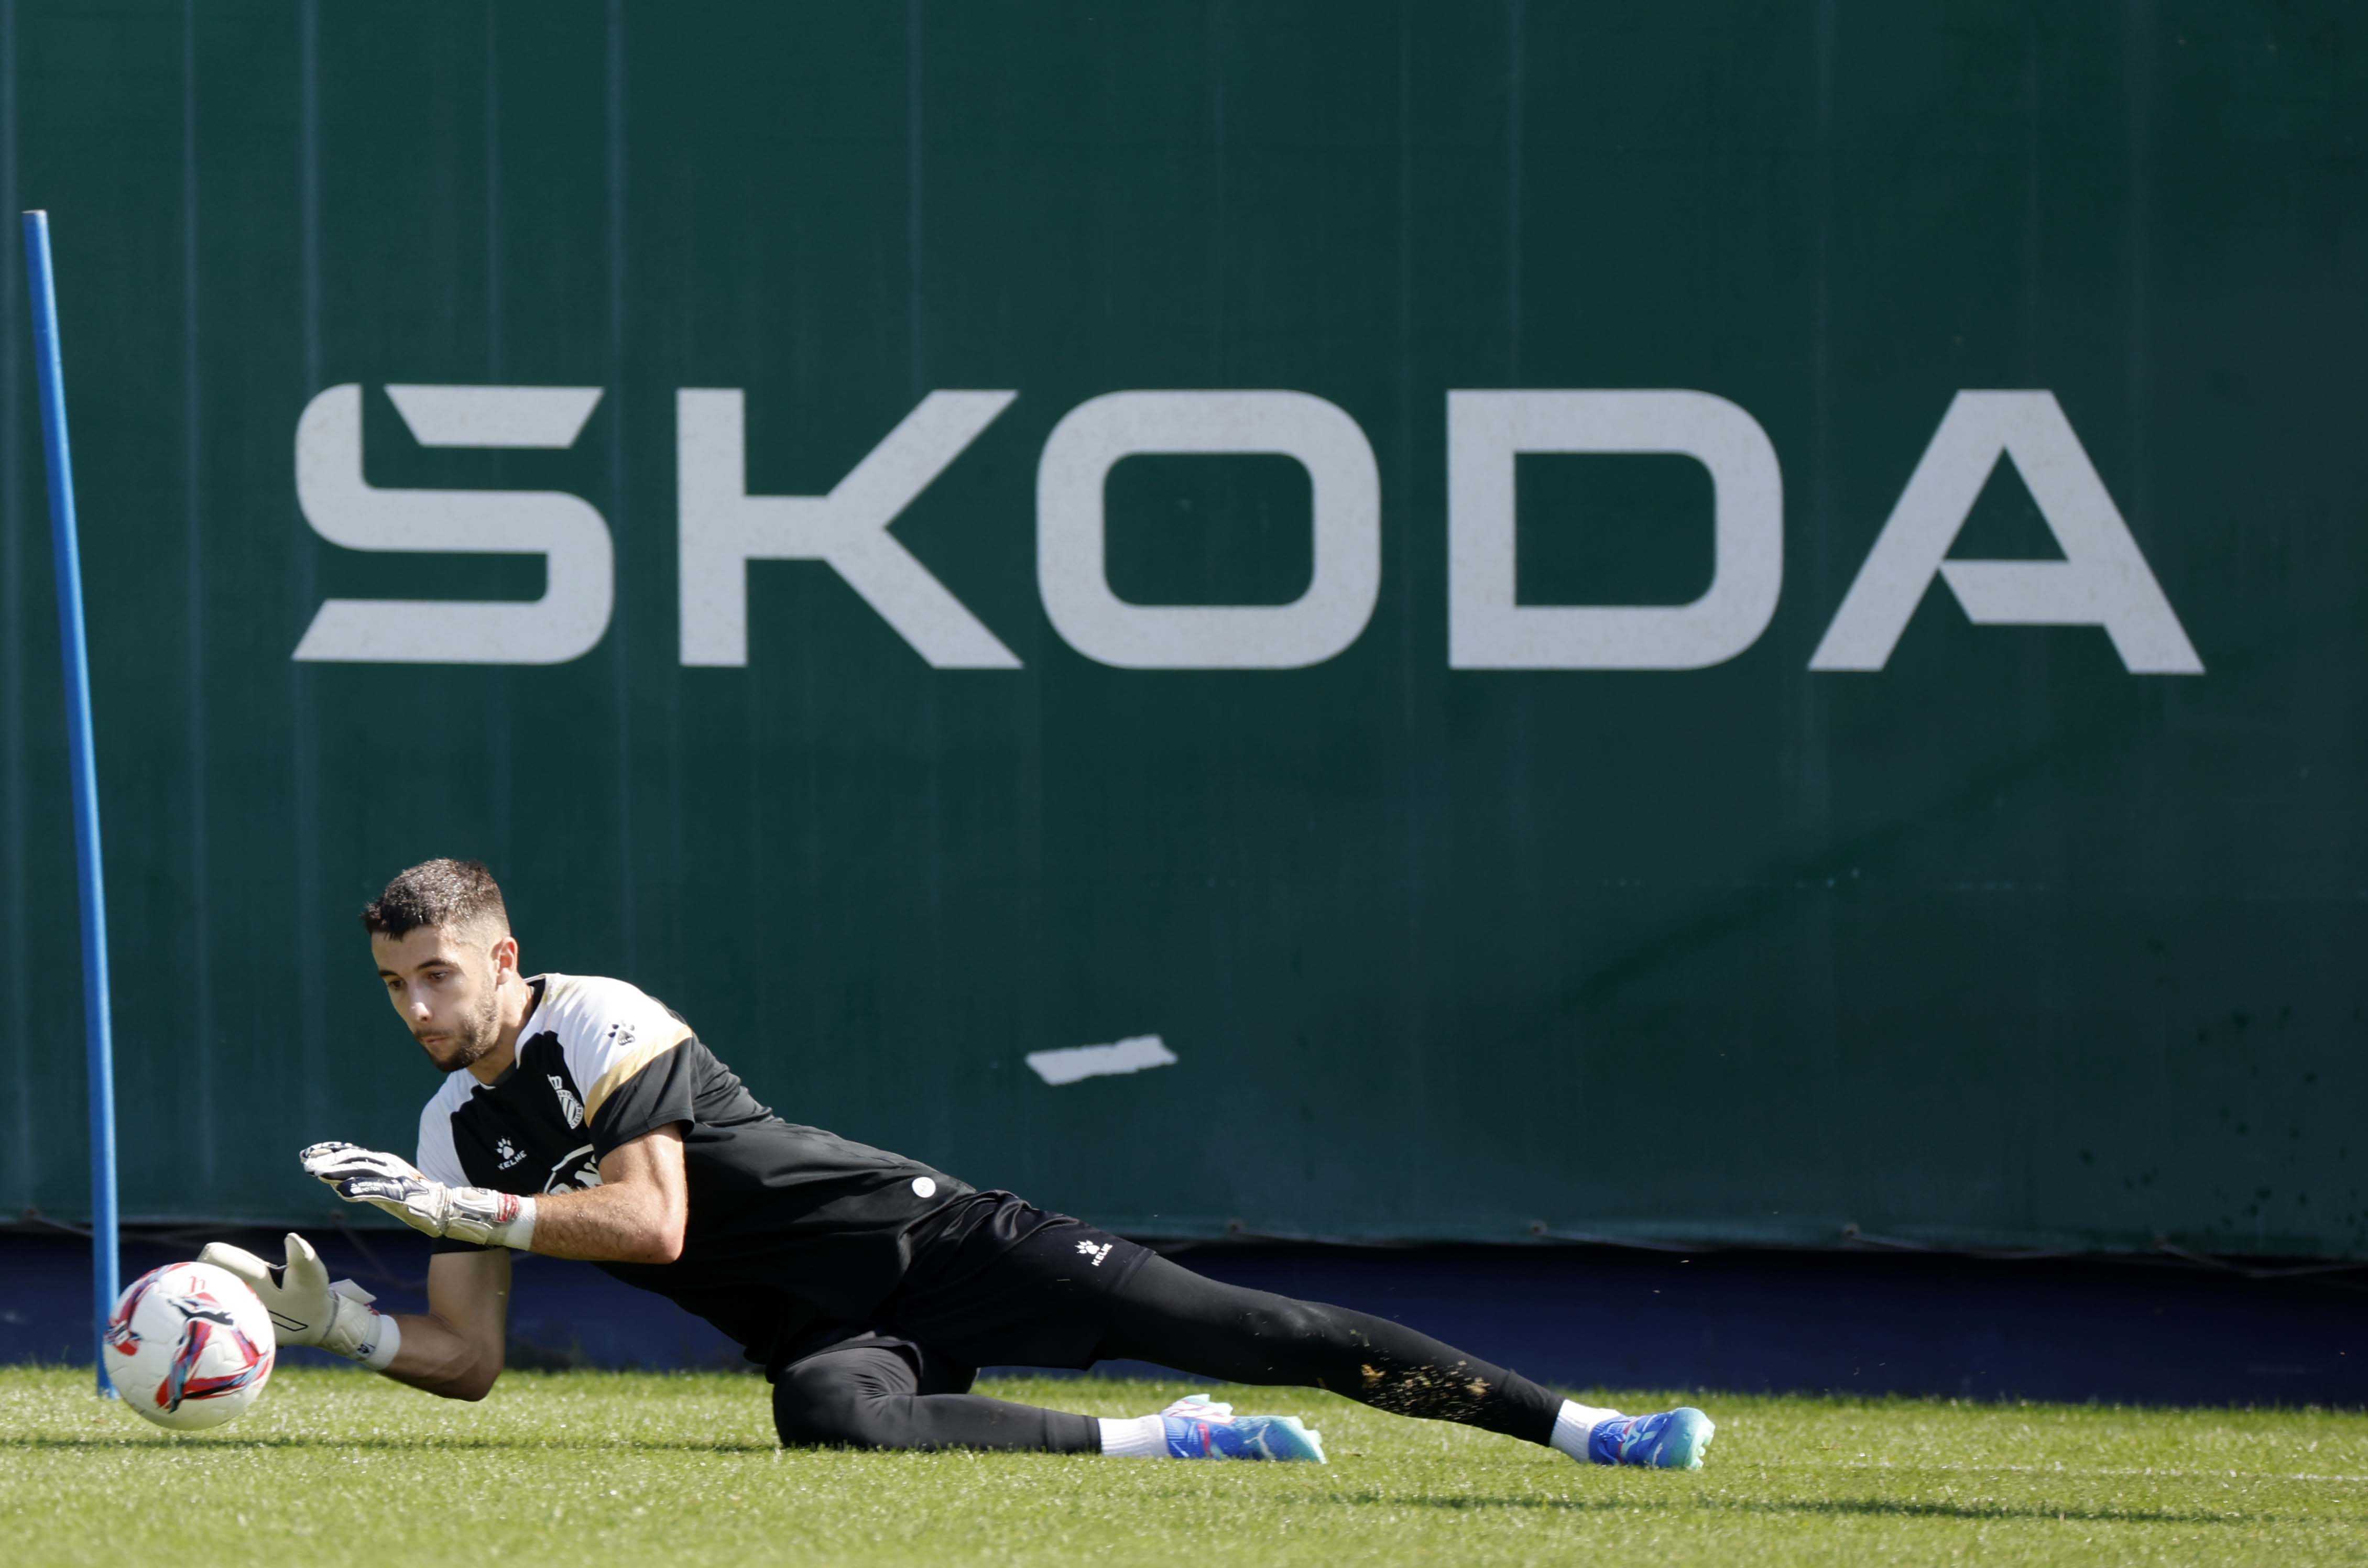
column 506, row 951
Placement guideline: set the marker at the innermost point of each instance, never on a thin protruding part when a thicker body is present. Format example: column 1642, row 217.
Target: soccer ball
column 188, row 1345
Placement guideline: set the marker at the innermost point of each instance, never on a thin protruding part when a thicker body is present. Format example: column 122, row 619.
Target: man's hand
column 477, row 1215
column 305, row 1308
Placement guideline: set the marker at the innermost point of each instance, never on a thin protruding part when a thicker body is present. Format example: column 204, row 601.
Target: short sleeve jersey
column 788, row 1225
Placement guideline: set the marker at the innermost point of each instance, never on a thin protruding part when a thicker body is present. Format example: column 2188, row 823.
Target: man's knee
column 819, row 1405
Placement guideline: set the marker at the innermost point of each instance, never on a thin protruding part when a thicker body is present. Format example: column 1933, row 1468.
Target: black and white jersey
column 788, row 1225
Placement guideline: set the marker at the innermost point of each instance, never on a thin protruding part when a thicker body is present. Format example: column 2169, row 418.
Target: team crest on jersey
column 568, row 1103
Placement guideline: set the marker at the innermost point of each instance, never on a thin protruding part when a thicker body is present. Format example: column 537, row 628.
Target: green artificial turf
column 582, row 1468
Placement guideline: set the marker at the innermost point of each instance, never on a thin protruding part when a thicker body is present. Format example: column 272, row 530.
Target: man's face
column 444, row 983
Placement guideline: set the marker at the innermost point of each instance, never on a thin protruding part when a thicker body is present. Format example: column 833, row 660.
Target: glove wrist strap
column 485, row 1218
column 378, row 1351
column 359, row 1332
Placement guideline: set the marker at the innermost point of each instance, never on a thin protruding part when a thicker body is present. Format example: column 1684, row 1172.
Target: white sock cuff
column 1572, row 1425
column 1136, row 1436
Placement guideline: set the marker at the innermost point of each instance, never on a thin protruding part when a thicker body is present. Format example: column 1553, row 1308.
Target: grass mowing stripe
column 2058, row 1470
column 335, row 1468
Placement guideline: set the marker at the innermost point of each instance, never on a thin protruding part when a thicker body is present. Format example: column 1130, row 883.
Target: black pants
column 883, row 1387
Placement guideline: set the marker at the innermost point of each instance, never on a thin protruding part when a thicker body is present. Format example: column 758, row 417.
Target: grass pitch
column 335, row 1466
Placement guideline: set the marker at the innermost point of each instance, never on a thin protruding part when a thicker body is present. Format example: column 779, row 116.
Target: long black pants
column 880, row 1390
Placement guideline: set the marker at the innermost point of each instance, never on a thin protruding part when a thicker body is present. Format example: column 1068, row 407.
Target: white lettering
column 1488, row 628
column 344, row 508
column 725, row 528
column 1345, row 518
column 2102, row 581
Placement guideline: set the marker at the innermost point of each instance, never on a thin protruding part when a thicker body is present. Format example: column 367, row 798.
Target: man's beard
column 470, row 1043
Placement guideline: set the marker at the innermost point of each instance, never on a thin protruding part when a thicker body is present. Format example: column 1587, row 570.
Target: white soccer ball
column 188, row 1345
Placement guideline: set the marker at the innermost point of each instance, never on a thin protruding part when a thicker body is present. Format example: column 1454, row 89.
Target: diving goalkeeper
column 579, row 1118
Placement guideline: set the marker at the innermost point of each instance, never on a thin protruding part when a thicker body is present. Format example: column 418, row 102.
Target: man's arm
column 635, row 1215
column 455, row 1349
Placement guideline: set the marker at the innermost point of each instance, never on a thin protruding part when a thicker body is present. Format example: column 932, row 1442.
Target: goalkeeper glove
column 477, row 1215
column 306, row 1309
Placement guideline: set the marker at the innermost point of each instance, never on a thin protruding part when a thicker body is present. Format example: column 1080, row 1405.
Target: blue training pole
column 99, row 1027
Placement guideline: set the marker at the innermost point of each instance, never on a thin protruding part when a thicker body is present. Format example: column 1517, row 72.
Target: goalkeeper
column 579, row 1118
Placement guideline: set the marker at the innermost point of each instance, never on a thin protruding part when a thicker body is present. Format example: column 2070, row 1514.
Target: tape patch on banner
column 1132, row 1054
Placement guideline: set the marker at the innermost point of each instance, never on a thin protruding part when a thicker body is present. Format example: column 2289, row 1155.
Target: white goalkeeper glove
column 306, row 1309
column 477, row 1215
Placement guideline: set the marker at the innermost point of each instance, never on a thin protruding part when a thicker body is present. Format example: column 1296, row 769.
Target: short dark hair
column 441, row 894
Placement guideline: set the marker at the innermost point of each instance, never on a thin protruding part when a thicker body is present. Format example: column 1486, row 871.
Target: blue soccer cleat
column 1674, row 1439
column 1199, row 1428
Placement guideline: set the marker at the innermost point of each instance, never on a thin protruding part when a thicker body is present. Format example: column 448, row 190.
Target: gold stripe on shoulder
column 632, row 1061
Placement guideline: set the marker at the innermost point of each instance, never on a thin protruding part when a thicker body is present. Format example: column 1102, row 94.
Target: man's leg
column 1032, row 1289
column 879, row 1392
column 1166, row 1313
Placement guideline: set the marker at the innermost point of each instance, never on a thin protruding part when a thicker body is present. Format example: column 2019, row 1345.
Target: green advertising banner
column 1708, row 623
